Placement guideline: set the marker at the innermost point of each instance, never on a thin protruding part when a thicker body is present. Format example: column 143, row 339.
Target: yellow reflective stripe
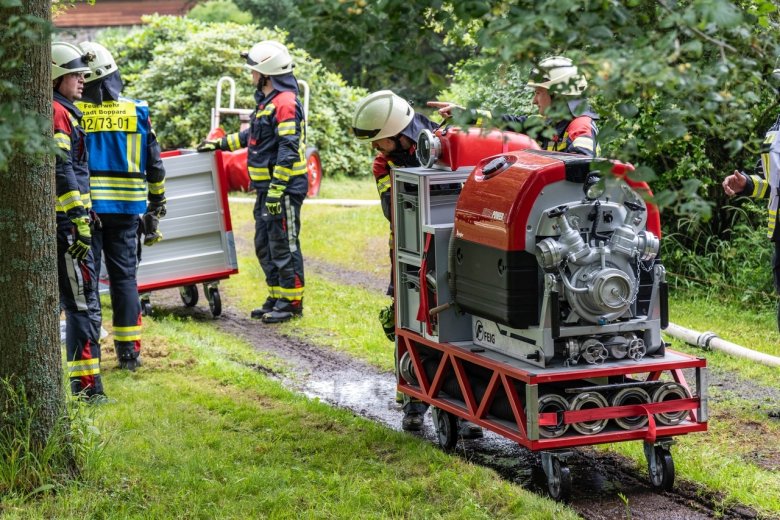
column 62, row 140
column 157, row 188
column 283, row 173
column 483, row 116
column 760, row 187
column 131, row 333
column 292, row 294
column 119, row 195
column 286, row 128
column 86, row 199
column 134, row 153
column 383, row 184
column 259, row 173
column 69, row 200
column 84, row 367
column 586, row 143
column 233, row 142
column 267, row 111
column 275, row 291
column 116, row 182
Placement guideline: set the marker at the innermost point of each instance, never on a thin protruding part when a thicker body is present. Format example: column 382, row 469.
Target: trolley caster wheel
column 662, row 472
column 146, row 307
column 215, row 302
column 189, row 295
column 558, row 475
column 446, row 425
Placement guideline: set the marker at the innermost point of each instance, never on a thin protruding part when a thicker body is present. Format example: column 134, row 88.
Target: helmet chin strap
column 262, row 81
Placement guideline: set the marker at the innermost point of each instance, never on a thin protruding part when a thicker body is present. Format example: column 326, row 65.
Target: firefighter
column 391, row 125
column 764, row 183
column 75, row 261
column 276, row 139
column 127, row 179
column 558, row 89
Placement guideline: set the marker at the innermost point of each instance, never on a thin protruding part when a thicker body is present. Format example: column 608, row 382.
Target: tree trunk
column 29, row 305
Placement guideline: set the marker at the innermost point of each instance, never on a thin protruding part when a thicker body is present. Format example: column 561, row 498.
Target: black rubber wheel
column 146, row 308
column 215, row 303
column 446, row 425
column 189, row 295
column 559, row 483
column 663, row 478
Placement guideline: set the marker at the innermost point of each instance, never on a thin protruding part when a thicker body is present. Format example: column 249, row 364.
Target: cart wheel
column 189, row 295
column 446, row 425
column 215, row 303
column 559, row 482
column 663, row 476
column 314, row 168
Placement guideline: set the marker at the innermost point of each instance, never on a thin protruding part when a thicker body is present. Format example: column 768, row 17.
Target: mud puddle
column 606, row 486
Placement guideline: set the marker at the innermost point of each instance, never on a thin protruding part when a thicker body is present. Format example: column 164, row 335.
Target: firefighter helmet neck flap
column 103, row 82
column 381, row 115
column 558, row 75
column 67, row 58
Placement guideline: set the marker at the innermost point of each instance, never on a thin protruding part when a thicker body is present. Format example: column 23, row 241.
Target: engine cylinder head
column 668, row 392
column 631, row 396
column 553, row 403
column 585, row 401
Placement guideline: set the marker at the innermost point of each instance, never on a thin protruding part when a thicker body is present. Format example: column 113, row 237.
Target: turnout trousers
column 117, row 244
column 79, row 301
column 278, row 249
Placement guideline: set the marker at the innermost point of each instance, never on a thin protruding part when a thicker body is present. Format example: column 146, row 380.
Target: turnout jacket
column 765, row 181
column 383, row 164
column 276, row 138
column 71, row 166
column 125, row 165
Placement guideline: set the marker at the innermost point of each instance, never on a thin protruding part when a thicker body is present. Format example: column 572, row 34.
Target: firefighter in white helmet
column 276, row 161
column 127, row 179
column 391, row 125
column 75, row 262
column 559, row 89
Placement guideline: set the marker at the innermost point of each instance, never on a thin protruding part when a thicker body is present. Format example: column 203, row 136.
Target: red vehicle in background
column 234, row 163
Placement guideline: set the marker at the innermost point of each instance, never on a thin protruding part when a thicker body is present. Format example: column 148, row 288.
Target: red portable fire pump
column 530, row 300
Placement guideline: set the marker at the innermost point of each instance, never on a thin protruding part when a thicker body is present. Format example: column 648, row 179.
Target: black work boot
column 412, row 422
column 469, row 430
column 267, row 307
column 130, row 364
column 279, row 316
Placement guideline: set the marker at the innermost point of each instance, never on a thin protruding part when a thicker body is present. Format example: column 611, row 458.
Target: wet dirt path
column 598, row 478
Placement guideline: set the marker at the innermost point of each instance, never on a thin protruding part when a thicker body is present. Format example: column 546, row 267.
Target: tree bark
column 29, row 306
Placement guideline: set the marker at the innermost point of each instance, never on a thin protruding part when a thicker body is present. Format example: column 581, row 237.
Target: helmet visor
column 361, row 133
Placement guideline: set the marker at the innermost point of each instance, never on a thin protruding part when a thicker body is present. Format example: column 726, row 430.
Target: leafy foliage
column 395, row 44
column 174, row 64
column 220, row 11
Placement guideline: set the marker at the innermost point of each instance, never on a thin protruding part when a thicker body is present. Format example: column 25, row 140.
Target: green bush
column 174, row 64
column 220, row 11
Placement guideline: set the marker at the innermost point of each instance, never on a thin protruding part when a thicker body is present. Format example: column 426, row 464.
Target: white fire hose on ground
column 710, row 340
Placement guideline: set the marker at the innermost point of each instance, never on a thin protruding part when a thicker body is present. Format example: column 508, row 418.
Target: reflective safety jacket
column 71, row 167
column 765, row 182
column 383, row 164
column 124, row 157
column 276, row 139
column 577, row 135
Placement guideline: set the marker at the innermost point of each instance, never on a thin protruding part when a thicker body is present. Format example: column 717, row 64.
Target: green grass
column 341, row 187
column 196, row 433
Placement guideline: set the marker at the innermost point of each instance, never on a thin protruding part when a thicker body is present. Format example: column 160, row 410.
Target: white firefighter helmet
column 269, row 58
column 67, row 58
column 102, row 65
column 381, row 114
column 558, row 71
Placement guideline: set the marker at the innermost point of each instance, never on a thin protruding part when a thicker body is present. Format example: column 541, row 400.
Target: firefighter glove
column 82, row 242
column 273, row 201
column 151, row 223
column 209, row 145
